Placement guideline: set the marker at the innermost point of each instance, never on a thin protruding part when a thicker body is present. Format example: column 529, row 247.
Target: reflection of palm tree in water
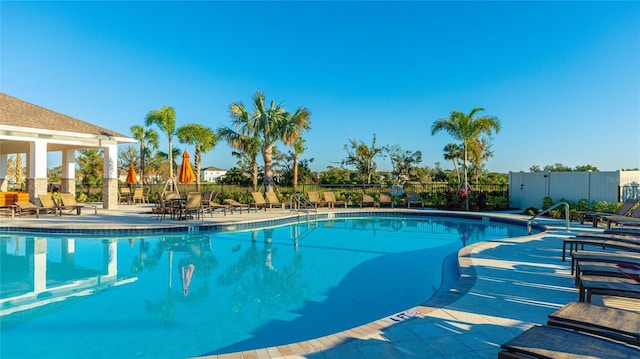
column 147, row 258
column 468, row 232
column 259, row 284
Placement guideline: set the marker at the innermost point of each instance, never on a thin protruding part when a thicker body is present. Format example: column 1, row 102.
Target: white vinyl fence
column 527, row 189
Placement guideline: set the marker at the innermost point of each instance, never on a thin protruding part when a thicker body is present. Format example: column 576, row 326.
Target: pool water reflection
column 195, row 294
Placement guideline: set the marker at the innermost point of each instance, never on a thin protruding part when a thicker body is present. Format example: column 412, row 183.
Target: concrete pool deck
column 505, row 287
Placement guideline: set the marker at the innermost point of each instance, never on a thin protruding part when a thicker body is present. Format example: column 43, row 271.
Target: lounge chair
column 273, row 200
column 330, row 198
column 314, row 198
column 210, row 205
column 385, row 199
column 28, row 207
column 594, row 216
column 413, row 198
column 633, row 219
column 617, row 324
column 368, row 201
column 47, row 202
column 259, row 201
column 68, row 202
column 553, row 342
column 629, row 244
column 604, row 257
column 235, row 204
column 590, row 285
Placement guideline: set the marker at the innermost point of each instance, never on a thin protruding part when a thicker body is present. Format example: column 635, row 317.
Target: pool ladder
column 566, row 215
column 301, row 204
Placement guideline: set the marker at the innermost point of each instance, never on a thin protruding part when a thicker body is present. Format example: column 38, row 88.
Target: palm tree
column 266, row 126
column 172, row 165
column 453, row 152
column 249, row 147
column 165, row 119
column 299, row 122
column 465, row 128
column 144, row 136
column 204, row 140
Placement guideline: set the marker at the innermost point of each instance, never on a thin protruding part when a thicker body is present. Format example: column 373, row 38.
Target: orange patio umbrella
column 187, row 272
column 186, row 171
column 131, row 175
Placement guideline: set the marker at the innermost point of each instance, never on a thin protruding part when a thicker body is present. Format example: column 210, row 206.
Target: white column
column 68, row 183
column 4, row 182
column 37, row 159
column 110, row 187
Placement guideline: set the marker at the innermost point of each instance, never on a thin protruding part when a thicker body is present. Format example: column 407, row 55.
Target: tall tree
column 265, row 126
column 466, row 128
column 362, row 157
column 298, row 149
column 202, row 138
column 149, row 137
column 453, row 153
column 91, row 164
column 247, row 148
column 165, row 119
column 404, row 162
column 298, row 123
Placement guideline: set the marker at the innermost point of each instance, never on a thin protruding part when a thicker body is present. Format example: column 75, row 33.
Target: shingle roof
column 19, row 113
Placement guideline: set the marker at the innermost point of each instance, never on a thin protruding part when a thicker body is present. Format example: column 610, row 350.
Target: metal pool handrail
column 566, row 215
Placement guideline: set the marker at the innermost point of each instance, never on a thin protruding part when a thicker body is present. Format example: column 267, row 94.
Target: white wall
column 527, row 189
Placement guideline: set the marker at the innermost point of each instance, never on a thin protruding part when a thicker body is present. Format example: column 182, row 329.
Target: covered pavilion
column 36, row 131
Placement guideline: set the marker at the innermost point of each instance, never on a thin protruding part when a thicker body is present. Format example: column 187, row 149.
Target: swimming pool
column 186, row 295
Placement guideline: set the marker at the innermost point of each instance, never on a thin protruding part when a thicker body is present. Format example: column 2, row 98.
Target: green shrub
column 530, row 211
column 81, row 197
column 547, row 202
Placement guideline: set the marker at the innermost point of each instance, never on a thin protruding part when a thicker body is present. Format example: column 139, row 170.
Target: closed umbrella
column 131, row 175
column 186, row 171
column 187, row 272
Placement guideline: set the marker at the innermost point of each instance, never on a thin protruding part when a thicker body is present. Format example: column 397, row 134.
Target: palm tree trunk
column 466, row 184
column 254, row 174
column 267, row 155
column 295, row 172
column 196, row 159
column 142, row 160
column 170, row 158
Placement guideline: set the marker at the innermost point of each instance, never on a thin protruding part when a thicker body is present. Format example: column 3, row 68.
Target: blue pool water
column 179, row 296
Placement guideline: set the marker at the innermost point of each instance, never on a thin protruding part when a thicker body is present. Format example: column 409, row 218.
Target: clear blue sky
column 562, row 77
